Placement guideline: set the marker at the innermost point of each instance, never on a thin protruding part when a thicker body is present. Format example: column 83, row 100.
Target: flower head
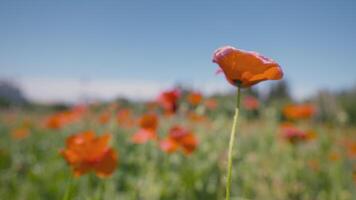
column 86, row 152
column 169, row 100
column 124, row 118
column 295, row 135
column 251, row 103
column 60, row 119
column 195, row 98
column 350, row 147
column 179, row 138
column 148, row 128
column 246, row 68
column 56, row 121
column 301, row 111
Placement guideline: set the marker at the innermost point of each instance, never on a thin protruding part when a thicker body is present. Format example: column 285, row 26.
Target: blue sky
column 162, row 41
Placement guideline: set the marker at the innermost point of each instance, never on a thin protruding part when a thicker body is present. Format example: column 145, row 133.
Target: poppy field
column 181, row 145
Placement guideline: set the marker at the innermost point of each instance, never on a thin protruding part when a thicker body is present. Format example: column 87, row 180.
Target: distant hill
column 10, row 94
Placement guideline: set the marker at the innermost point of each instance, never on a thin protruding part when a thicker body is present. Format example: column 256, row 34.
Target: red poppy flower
column 302, row 111
column 350, row 146
column 169, row 100
column 60, row 119
column 195, row 98
column 246, row 68
column 148, row 127
column 352, row 151
column 251, row 103
column 124, row 118
column 169, row 145
column 179, row 138
column 56, row 121
column 189, row 143
column 295, row 135
column 86, row 152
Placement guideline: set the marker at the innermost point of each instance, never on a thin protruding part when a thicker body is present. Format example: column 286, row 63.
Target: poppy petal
column 143, row 136
column 107, row 164
column 168, row 145
column 246, row 68
column 189, row 144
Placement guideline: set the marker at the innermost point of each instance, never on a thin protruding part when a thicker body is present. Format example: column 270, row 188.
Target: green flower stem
column 69, row 190
column 231, row 144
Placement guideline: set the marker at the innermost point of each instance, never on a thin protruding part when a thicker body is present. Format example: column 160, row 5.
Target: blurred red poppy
column 295, row 135
column 56, row 121
column 169, row 145
column 195, row 98
column 251, row 103
column 301, row 111
column 60, row 119
column 179, row 138
column 148, row 127
column 246, row 68
column 169, row 100
column 350, row 146
column 124, row 118
column 86, row 152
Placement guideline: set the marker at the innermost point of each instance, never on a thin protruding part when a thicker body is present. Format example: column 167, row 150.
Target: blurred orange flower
column 301, row 111
column 351, row 149
column 148, row 127
column 124, row 118
column 251, row 103
column 86, row 152
column 169, row 100
column 20, row 133
column 246, row 68
column 168, row 145
column 179, row 138
column 195, row 98
column 56, row 121
column 60, row 119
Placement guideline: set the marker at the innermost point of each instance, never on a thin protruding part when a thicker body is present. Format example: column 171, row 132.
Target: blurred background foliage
column 266, row 166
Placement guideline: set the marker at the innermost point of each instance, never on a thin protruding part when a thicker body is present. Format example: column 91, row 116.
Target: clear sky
column 163, row 41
